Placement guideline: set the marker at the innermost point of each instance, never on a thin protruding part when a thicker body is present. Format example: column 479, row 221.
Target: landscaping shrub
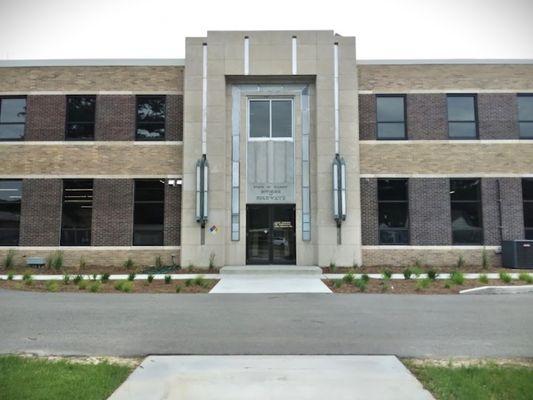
column 447, row 285
column 365, row 278
column 82, row 285
column 190, row 267
column 348, row 278
column 200, row 281
column 432, row 274
column 337, row 283
column 460, row 262
column 52, row 286
column 131, row 277
column 124, row 286
column 9, row 260
column 77, row 279
column 332, row 266
column 26, row 277
column 524, row 276
column 28, row 281
column 95, row 287
column 384, row 286
column 387, row 274
column 505, row 277
column 407, row 273
column 423, row 283
column 129, row 264
column 105, row 277
column 10, row 277
column 168, row 279
column 83, row 263
column 457, row 277
column 483, row 278
column 66, row 279
column 417, row 271
column 56, row 261
column 361, row 284
column 95, row 276
column 150, row 278
column 188, row 282
column 178, row 288
column 212, row 261
column 158, row 262
column 485, row 258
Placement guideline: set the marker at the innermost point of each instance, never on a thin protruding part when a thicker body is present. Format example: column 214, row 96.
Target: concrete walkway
column 270, row 279
column 272, row 378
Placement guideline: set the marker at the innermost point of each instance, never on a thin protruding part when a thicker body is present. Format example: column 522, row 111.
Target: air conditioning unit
column 517, row 253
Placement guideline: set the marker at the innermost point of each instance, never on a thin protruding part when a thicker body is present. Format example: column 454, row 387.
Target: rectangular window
column 467, row 224
column 10, row 197
column 525, row 115
column 393, row 211
column 151, row 113
column 527, row 197
column 80, row 117
column 149, row 211
column 462, row 116
column 270, row 118
column 12, row 118
column 76, row 221
column 391, row 117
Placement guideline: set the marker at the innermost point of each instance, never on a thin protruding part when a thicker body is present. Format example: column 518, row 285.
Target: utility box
column 517, row 253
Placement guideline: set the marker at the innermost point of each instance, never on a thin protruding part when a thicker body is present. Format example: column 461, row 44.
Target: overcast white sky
column 385, row 29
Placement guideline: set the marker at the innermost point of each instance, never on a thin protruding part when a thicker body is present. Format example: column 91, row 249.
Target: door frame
column 271, row 260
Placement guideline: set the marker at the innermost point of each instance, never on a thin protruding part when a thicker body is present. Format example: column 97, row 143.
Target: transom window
column 525, row 115
column 151, row 116
column 462, row 116
column 80, row 117
column 465, row 196
column 270, row 118
column 393, row 211
column 10, row 197
column 12, row 118
column 391, row 117
column 76, row 221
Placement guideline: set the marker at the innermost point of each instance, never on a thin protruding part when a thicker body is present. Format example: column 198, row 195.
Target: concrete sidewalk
column 272, row 378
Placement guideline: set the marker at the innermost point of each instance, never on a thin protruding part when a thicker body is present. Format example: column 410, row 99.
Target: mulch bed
column 398, row 270
column 157, row 286
column 410, row 286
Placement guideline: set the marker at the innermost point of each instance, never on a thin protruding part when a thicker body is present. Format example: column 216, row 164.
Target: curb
column 114, row 277
column 499, row 290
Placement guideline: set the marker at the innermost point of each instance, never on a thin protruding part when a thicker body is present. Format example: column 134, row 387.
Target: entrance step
column 270, row 279
column 271, row 270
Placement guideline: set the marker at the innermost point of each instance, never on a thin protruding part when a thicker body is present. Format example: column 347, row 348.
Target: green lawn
column 483, row 382
column 39, row 379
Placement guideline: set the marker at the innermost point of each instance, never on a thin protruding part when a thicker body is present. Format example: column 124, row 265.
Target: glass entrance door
column 270, row 234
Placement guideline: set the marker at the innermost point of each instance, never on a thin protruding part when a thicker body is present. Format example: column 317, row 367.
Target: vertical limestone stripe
column 246, row 55
column 204, row 99
column 336, row 93
column 294, row 55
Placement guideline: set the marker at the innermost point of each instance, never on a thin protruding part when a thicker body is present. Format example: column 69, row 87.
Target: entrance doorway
column 270, row 234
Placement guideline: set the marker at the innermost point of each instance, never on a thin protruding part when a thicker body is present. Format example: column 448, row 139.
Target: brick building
column 104, row 160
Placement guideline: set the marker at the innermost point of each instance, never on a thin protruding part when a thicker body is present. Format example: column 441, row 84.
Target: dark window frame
column 404, row 122
column 14, row 123
column 135, row 202
column 478, row 201
column 406, row 201
column 19, row 203
column 68, row 122
column 77, row 232
column 141, row 123
column 530, row 95
column 524, row 202
column 270, row 100
column 475, row 121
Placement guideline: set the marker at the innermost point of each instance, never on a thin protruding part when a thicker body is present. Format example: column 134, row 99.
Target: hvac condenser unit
column 517, row 253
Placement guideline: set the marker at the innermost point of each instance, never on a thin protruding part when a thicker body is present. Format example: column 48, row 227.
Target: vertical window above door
column 467, row 221
column 80, row 117
column 393, row 211
column 76, row 220
column 391, row 117
column 270, row 119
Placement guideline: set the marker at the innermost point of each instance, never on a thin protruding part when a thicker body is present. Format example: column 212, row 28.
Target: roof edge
column 95, row 62
column 446, row 61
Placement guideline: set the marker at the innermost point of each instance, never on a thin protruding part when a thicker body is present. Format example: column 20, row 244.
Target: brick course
column 172, row 215
column 512, row 208
column 112, row 222
column 367, row 117
column 40, row 219
column 174, row 120
column 115, row 117
column 426, row 117
column 45, row 119
column 369, row 211
column 490, row 211
column 498, row 115
column 429, row 211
